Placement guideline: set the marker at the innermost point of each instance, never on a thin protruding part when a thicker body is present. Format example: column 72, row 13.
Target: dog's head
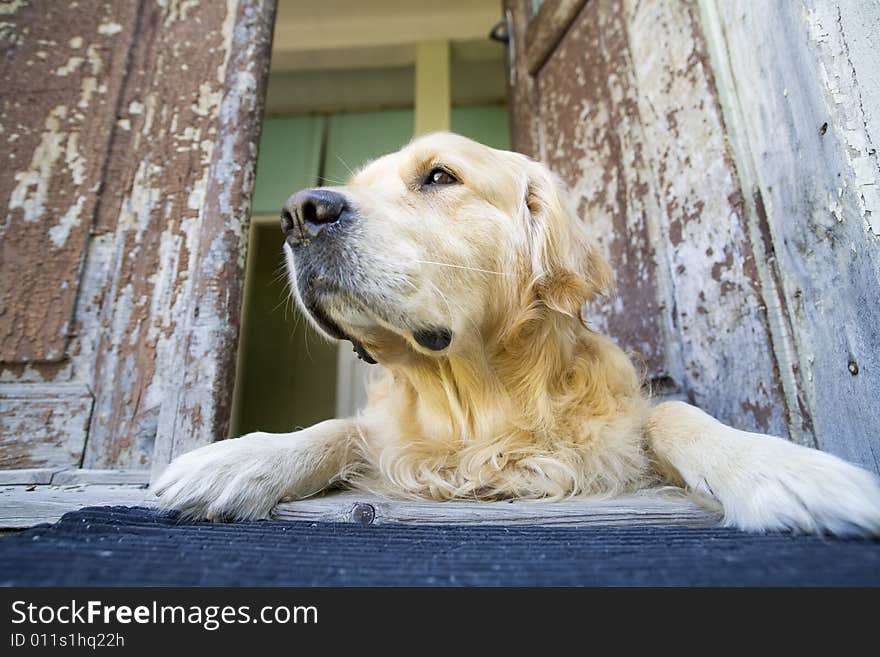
column 430, row 250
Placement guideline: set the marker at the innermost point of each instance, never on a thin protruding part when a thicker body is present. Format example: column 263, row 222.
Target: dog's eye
column 439, row 177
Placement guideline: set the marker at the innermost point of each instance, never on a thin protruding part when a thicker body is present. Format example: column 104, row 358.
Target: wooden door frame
column 692, row 341
column 198, row 407
column 154, row 331
column 788, row 85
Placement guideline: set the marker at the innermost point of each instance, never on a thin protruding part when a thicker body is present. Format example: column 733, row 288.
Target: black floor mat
column 116, row 546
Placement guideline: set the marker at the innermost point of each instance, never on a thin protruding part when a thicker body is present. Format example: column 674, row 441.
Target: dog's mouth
column 317, row 298
column 333, row 330
column 318, row 290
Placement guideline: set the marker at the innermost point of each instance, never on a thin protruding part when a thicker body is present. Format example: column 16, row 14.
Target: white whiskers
column 446, row 264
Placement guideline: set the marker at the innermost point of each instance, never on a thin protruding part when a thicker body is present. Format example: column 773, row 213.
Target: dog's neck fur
column 535, row 376
column 510, row 422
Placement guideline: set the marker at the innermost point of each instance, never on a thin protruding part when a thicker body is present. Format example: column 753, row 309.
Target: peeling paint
column 32, row 191
column 138, row 180
column 598, row 153
column 59, row 233
column 808, row 154
column 168, row 236
column 177, row 10
column 72, row 65
column 50, row 267
column 109, row 29
column 8, row 36
column 44, row 427
column 75, row 162
column 629, row 116
column 208, row 100
column 9, row 7
column 839, row 82
column 94, row 60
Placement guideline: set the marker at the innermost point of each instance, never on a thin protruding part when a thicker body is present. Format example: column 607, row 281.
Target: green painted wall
column 356, row 138
column 287, row 373
column 353, row 139
column 487, row 124
column 294, row 150
column 290, row 159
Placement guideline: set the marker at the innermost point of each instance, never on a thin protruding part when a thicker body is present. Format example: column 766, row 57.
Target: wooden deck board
column 641, row 509
column 69, row 476
column 27, row 476
column 94, row 476
column 25, row 506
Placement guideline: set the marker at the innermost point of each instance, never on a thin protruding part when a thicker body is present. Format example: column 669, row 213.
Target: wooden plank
column 522, row 99
column 184, row 161
column 43, row 425
column 62, row 417
column 27, row 476
column 728, row 360
column 22, row 507
column 631, row 119
column 546, row 29
column 72, row 476
column 588, row 103
column 197, row 389
column 115, row 477
column 150, row 164
column 61, row 73
column 802, row 93
column 642, row 509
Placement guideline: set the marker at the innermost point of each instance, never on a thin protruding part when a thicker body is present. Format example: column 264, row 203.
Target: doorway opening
column 389, row 71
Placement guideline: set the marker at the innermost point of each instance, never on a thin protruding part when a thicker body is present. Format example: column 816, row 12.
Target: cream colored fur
column 526, row 401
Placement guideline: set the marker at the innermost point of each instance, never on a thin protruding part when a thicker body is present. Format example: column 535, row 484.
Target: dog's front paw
column 803, row 490
column 238, row 479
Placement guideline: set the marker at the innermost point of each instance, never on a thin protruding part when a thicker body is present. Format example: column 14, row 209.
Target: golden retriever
column 463, row 270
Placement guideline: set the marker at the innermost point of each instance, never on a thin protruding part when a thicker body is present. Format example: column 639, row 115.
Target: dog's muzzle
column 311, row 221
column 310, row 212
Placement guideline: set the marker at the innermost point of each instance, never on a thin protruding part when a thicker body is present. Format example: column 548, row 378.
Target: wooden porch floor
column 31, row 497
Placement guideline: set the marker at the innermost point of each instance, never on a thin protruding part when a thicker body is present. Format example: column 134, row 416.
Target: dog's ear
column 568, row 267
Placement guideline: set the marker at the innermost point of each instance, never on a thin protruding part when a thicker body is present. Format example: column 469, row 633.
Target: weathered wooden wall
column 60, row 72
column 131, row 131
column 724, row 155
column 628, row 114
column 801, row 94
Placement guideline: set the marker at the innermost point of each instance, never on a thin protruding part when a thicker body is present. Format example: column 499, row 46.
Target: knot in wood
column 363, row 513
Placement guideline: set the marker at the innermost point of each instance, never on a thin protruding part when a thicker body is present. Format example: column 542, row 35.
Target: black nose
column 308, row 212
